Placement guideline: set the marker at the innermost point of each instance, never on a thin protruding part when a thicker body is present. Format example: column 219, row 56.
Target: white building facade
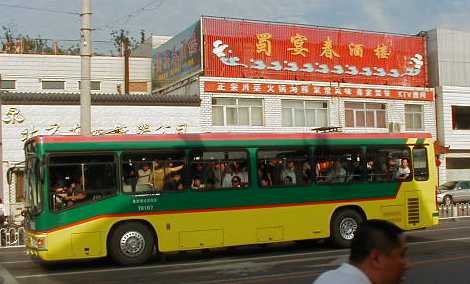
column 61, row 74
column 449, row 68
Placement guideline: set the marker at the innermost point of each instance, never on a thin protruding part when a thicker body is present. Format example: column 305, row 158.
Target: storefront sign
column 177, row 58
column 247, row 49
column 424, row 94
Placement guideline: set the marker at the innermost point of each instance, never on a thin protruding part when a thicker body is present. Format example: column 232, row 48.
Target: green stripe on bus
column 219, row 200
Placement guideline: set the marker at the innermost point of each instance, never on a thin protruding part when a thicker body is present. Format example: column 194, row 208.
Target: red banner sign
column 247, row 49
column 311, row 90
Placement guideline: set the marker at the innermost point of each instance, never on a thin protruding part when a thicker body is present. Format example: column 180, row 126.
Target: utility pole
column 126, row 54
column 85, row 55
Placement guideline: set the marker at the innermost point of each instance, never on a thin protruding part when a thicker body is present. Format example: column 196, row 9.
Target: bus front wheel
column 343, row 225
column 131, row 244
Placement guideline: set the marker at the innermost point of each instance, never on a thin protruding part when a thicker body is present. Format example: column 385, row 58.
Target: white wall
column 457, row 96
column 28, row 70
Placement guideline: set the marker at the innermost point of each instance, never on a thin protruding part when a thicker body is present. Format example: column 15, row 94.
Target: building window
column 304, row 113
column 19, row 186
column 457, row 163
column 53, row 85
column 414, row 117
column 232, row 111
column 371, row 115
column 461, row 117
column 94, row 85
column 7, row 84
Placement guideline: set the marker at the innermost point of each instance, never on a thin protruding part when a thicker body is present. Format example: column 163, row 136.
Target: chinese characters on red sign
column 311, row 90
column 247, row 49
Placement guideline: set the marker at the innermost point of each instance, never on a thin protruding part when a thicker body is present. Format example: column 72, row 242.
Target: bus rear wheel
column 131, row 244
column 343, row 225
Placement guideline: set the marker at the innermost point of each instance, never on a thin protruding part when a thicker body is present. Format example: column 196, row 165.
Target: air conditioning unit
column 394, row 127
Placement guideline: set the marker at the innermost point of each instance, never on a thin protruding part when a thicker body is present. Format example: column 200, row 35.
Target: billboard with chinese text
column 178, row 58
column 249, row 49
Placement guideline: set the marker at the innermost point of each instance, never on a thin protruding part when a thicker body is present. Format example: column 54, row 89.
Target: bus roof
column 50, row 139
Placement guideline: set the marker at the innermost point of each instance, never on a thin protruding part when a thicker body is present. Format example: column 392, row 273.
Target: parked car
column 453, row 192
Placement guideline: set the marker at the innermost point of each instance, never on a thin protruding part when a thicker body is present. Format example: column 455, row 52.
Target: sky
column 59, row 19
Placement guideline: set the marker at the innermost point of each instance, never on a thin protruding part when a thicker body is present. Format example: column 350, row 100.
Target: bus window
column 151, row 172
column 339, row 165
column 388, row 163
column 284, row 167
column 214, row 170
column 76, row 179
column 420, row 164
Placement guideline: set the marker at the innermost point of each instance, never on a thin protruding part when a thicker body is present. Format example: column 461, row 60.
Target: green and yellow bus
column 130, row 196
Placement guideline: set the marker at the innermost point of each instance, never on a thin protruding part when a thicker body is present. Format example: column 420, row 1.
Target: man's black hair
column 374, row 234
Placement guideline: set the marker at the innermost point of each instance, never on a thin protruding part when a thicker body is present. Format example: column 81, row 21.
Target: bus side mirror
column 41, row 172
column 9, row 175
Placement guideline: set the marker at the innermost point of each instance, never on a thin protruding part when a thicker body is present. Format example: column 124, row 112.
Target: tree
column 24, row 44
column 121, row 37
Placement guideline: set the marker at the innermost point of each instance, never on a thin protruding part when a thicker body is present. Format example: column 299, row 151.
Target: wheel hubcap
column 347, row 227
column 132, row 244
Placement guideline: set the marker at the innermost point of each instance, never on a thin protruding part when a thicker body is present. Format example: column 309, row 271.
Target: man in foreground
column 378, row 256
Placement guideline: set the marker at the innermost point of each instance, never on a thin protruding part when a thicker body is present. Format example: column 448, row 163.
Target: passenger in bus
column 232, row 170
column 289, row 171
column 337, row 174
column 274, row 169
column 160, row 173
column 228, row 174
column 307, row 173
column 241, row 172
column 392, row 166
column 236, row 182
column 197, row 184
column 213, row 173
column 70, row 194
column 287, row 180
column 132, row 179
column 403, row 172
column 265, row 181
column 322, row 168
column 144, row 174
column 378, row 169
column 175, row 182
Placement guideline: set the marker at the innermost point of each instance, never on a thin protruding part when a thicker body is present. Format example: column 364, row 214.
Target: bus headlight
column 39, row 243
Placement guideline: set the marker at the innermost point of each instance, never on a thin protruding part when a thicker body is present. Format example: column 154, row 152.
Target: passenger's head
column 290, row 164
column 236, row 181
column 265, row 181
column 379, row 248
column 197, row 181
column 404, row 162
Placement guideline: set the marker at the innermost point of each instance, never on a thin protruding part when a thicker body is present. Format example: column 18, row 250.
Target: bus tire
column 131, row 243
column 343, row 225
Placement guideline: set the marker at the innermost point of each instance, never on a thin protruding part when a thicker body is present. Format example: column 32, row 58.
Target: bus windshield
column 34, row 195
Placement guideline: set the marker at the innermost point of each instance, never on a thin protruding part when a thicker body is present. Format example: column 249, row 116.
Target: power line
column 40, row 9
column 125, row 20
column 59, row 40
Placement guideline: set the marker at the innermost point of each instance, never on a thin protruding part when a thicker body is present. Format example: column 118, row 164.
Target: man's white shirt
column 346, row 273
